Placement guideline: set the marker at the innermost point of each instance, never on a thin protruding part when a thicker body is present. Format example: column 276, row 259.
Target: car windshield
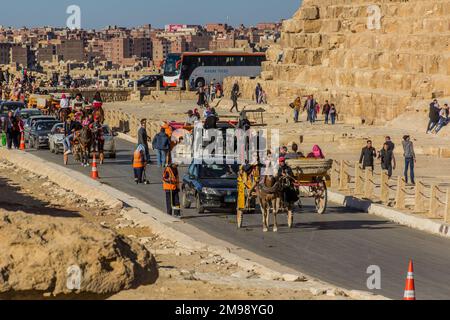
column 45, row 126
column 215, row 171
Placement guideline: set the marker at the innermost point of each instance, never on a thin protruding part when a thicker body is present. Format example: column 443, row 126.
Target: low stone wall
column 129, row 124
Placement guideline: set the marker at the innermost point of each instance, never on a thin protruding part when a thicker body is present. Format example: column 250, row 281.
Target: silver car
column 55, row 139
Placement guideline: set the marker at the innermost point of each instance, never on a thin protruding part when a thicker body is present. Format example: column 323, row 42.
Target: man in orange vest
column 139, row 164
column 171, row 186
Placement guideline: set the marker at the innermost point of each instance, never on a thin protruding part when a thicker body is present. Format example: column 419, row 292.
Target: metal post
column 158, row 85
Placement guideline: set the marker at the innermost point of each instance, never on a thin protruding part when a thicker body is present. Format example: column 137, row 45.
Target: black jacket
column 434, row 113
column 368, row 156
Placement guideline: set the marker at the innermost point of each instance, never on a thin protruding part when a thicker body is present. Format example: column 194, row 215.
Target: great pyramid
column 374, row 59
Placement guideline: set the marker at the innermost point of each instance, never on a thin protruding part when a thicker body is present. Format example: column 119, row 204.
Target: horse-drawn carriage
column 310, row 179
column 41, row 102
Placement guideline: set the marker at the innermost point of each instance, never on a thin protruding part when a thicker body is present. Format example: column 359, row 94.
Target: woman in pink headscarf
column 316, row 153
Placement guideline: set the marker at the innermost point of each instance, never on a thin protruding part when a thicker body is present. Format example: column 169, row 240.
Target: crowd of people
column 312, row 108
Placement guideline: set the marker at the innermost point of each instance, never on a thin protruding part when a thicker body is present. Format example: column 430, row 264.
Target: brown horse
column 84, row 141
column 269, row 195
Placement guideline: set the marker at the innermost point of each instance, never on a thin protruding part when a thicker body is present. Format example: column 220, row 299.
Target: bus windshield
column 170, row 68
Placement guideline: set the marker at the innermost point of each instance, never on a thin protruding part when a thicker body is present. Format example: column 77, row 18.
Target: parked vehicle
column 210, row 187
column 55, row 139
column 148, row 81
column 110, row 142
column 6, row 106
column 31, row 121
column 38, row 135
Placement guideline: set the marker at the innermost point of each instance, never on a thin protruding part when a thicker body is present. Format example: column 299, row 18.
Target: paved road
column 337, row 247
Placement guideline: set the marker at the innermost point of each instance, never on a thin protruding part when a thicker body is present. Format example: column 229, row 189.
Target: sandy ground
column 182, row 274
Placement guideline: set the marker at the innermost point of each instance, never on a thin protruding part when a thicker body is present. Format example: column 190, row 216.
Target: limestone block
column 293, row 26
column 312, row 26
column 309, row 13
column 267, row 75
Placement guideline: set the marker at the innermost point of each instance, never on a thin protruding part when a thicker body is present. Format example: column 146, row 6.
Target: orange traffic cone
column 22, row 142
column 94, row 173
column 410, row 290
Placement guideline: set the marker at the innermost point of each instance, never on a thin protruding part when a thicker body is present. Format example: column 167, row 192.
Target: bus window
column 230, row 62
column 240, row 61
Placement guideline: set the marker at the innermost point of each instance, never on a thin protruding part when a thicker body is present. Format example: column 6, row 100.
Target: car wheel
column 185, row 203
column 200, row 208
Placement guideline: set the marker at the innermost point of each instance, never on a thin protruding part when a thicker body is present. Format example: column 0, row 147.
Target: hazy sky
column 100, row 13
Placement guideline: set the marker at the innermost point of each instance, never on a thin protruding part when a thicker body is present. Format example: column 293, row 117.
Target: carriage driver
column 289, row 193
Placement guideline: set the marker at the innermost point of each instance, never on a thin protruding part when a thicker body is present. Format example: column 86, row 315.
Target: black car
column 6, row 106
column 38, row 135
column 210, row 186
column 148, row 81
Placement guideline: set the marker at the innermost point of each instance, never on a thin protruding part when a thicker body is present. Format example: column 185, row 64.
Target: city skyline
column 139, row 12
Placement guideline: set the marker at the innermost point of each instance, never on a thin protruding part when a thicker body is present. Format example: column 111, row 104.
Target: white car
column 55, row 139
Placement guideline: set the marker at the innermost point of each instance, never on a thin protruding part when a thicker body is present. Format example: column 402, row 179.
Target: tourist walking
column 326, row 111
column 333, row 114
column 310, row 107
column 387, row 158
column 161, row 145
column 235, row 92
column 368, row 156
column 410, row 159
column 202, row 101
column 297, row 105
column 258, row 93
column 143, row 139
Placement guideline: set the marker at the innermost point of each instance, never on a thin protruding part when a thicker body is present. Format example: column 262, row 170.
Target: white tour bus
column 207, row 67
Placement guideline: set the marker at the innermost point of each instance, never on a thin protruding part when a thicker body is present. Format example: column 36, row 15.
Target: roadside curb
column 167, row 227
column 402, row 218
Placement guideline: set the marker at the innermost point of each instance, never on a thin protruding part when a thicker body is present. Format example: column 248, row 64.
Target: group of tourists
column 387, row 157
column 313, row 108
column 208, row 93
column 439, row 117
column 12, row 128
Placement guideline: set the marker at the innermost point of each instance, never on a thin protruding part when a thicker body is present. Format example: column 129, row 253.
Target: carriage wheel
column 321, row 198
column 239, row 218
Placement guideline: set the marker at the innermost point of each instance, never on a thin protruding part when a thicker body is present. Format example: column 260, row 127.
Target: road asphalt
column 337, row 247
